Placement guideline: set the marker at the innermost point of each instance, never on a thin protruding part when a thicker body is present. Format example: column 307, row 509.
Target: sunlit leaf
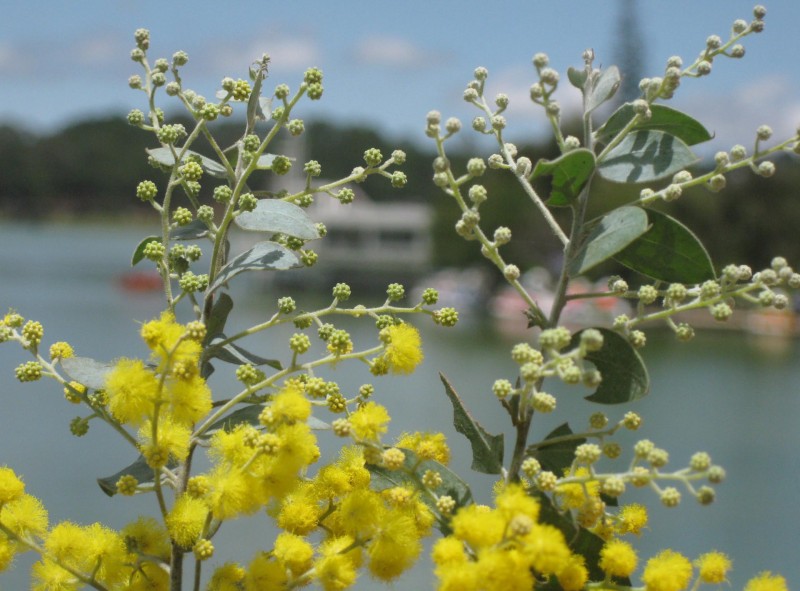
column 609, row 235
column 275, row 215
column 668, row 251
column 645, row 156
column 604, row 87
column 569, row 174
column 264, row 256
column 86, row 371
column 191, row 231
column 662, row 118
column 211, row 167
column 577, row 77
column 487, row 449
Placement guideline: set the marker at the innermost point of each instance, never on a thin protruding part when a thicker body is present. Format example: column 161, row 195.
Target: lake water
column 737, row 398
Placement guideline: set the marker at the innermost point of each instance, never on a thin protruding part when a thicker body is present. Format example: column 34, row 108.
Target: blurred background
column 69, row 221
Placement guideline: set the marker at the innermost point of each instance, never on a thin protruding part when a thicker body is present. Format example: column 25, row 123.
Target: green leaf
column 410, row 476
column 487, row 449
column 645, row 156
column 662, row 118
column 569, row 173
column 608, row 236
column 231, row 353
column 265, row 161
column 668, row 251
column 577, row 77
column 191, row 231
column 264, row 256
column 211, row 167
column 557, row 456
column 603, row 88
column 88, row 372
column 624, row 374
column 138, row 254
column 215, row 324
column 274, row 215
column 139, row 470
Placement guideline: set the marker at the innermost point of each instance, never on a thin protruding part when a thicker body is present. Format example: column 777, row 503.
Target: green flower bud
column 314, row 91
column 430, row 296
column 299, row 343
column 498, row 122
column 704, row 68
column 281, row 165
column 158, row 79
column 312, row 168
column 766, row 169
column 222, row 193
column 738, row 152
column 146, row 190
column 481, row 73
column 549, row 76
column 182, row 216
column 540, row 60
column 373, row 157
column 737, row 51
column 341, row 291
column 154, row 251
column 446, row 317
column 502, row 388
column 205, row 213
column 511, row 272
column 308, row 257
column 399, row 179
column 241, row 90
column 502, row 235
column 452, row 125
column 395, row 292
column 312, row 76
column 739, row 26
column 543, row 402
column 345, row 196
column 598, row 420
column 137, row 55
column 180, row 58
column 501, row 100
column 638, row 339
column 591, row 340
column 29, row 371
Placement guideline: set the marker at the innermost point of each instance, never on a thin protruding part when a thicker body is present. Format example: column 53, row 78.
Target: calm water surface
column 736, row 398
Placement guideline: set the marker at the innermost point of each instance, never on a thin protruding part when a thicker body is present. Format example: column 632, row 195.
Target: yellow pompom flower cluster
column 504, row 548
column 171, row 397
column 404, row 348
column 382, row 529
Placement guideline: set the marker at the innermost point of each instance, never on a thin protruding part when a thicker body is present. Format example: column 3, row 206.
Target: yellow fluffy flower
column 147, row 536
column 548, row 551
column 369, row 421
column 188, row 400
column 513, row 501
column 360, row 513
column 227, row 578
column 448, row 551
column 713, row 567
column 232, row 493
column 48, row 575
column 404, row 350
column 132, row 391
column 459, row 577
column 504, row 570
column 618, row 558
column 334, row 569
column 575, row 495
column 574, row 575
column 264, row 573
column 11, row 487
column 290, row 405
column 7, row 552
column 478, row 526
column 295, row 552
column 173, row 438
column 668, row 571
column 427, row 446
column 186, row 520
column 766, row 581
column 300, row 511
column 25, row 516
column 632, row 519
column 149, row 576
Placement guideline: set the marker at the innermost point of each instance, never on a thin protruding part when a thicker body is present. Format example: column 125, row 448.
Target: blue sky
column 388, row 63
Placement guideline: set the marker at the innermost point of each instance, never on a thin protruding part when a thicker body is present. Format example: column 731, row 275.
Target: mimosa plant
column 559, row 518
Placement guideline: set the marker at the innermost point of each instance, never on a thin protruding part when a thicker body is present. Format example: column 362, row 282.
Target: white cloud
column 297, row 52
column 733, row 117
column 397, row 52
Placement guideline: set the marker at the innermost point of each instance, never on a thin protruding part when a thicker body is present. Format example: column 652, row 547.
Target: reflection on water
column 725, row 395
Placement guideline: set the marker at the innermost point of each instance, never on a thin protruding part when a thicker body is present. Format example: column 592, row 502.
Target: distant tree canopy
column 93, row 167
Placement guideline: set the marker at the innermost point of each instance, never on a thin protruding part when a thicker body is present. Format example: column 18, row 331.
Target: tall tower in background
column 629, row 50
